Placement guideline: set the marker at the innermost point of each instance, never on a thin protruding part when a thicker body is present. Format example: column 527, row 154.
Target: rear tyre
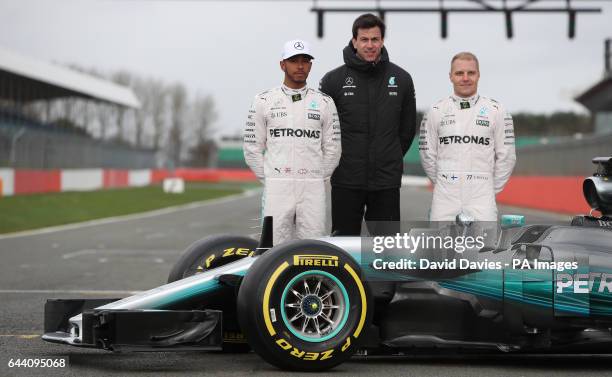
column 303, row 306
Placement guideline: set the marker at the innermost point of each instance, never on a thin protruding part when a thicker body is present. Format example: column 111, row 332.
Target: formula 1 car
column 310, row 304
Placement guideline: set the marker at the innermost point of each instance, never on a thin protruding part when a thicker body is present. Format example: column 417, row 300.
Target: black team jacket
column 377, row 110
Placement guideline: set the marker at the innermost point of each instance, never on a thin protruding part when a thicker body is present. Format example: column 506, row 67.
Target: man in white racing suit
column 292, row 144
column 466, row 145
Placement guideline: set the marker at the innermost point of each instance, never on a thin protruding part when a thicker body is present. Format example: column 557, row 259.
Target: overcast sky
column 231, row 49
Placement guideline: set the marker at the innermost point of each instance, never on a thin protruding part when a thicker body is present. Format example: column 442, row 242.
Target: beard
column 298, row 79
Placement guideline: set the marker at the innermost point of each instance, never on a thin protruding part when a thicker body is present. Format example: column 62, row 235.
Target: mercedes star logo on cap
column 298, row 46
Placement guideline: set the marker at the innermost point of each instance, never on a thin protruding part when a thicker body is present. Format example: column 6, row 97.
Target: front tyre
column 207, row 254
column 211, row 252
column 304, row 306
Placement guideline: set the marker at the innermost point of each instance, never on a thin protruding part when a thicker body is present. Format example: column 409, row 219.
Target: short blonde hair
column 465, row 55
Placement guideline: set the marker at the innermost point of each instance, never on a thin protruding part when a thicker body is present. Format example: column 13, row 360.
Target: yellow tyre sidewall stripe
column 266, row 298
column 364, row 303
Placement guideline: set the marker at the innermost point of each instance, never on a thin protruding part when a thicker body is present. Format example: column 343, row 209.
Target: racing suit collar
column 289, row 91
column 459, row 100
column 352, row 60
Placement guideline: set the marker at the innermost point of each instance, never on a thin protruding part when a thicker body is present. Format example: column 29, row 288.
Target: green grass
column 25, row 212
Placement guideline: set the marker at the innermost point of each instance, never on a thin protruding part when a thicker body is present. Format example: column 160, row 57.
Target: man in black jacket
column 377, row 109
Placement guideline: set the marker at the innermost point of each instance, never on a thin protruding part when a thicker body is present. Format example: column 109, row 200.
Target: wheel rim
column 314, row 306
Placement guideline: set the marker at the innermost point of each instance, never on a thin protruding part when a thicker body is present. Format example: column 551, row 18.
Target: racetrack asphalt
column 114, row 258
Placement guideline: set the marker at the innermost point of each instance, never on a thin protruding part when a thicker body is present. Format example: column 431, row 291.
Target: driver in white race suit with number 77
column 466, row 145
column 292, row 144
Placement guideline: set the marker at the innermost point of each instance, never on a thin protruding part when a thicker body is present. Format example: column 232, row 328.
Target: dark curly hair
column 368, row 21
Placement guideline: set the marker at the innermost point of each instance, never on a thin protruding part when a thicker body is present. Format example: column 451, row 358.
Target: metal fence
column 27, row 144
column 567, row 158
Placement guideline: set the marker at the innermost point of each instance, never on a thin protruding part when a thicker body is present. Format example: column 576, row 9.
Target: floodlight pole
column 14, row 140
column 607, row 57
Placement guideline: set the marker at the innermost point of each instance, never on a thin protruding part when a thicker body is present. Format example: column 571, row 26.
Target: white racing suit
column 467, row 151
column 292, row 144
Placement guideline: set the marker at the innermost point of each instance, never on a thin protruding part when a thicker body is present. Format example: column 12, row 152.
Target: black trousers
column 379, row 208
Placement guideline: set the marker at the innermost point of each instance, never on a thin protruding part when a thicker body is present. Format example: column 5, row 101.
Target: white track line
column 20, row 336
column 67, row 291
column 78, row 253
column 120, row 252
column 137, row 216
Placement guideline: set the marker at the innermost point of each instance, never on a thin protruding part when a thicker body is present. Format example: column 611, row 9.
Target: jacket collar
column 290, row 92
column 460, row 102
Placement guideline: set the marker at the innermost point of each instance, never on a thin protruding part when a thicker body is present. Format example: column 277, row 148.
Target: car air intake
column 598, row 188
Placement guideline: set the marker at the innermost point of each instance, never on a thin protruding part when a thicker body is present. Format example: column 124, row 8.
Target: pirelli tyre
column 303, row 306
column 209, row 253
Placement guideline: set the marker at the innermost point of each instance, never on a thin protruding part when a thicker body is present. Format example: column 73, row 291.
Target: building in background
column 598, row 98
column 229, row 153
column 46, row 116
